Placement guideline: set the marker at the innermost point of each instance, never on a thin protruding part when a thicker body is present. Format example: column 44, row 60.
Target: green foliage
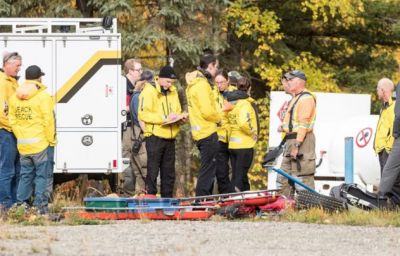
column 257, row 174
column 341, row 12
column 74, row 219
column 376, row 218
column 340, row 45
column 252, row 23
column 21, row 215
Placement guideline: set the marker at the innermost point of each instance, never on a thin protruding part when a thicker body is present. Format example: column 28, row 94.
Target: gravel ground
column 198, row 238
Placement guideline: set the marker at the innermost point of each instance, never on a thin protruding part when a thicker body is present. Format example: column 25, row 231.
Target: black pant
column 208, row 152
column 383, row 157
column 241, row 160
column 160, row 157
column 222, row 173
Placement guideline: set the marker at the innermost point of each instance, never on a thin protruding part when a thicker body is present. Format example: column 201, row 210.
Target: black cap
column 33, row 72
column 167, row 72
column 147, row 75
column 295, row 73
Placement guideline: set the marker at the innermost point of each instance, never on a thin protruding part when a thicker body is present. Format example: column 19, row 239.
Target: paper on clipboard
column 173, row 121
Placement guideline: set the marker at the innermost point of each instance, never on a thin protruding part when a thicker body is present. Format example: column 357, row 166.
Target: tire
column 306, row 200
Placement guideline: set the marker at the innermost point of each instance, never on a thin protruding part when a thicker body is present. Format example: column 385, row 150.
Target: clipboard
column 180, row 117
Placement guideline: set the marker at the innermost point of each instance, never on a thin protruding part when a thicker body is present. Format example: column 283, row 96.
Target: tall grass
column 375, row 218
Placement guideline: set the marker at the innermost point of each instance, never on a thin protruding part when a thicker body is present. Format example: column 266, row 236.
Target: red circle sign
column 363, row 137
column 282, row 111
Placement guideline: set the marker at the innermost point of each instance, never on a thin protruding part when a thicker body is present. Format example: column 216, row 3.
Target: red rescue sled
column 172, row 213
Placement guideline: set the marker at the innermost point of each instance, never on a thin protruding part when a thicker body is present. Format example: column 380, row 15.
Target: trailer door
column 87, row 94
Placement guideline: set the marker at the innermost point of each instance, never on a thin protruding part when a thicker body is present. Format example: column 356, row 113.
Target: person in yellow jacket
column 32, row 121
column 160, row 111
column 204, row 117
column 9, row 157
column 223, row 86
column 384, row 139
column 243, row 122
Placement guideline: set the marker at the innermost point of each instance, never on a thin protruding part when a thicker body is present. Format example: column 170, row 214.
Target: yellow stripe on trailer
column 78, row 80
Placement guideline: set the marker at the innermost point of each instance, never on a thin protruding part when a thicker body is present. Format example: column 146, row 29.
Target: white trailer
column 339, row 115
column 81, row 59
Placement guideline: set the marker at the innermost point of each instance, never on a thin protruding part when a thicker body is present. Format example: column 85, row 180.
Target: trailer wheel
column 306, row 200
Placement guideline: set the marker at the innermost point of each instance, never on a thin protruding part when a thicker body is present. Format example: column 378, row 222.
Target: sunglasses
column 138, row 69
column 284, row 77
column 10, row 56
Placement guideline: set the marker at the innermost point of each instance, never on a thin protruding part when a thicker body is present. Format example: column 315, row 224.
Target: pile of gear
column 232, row 205
column 346, row 197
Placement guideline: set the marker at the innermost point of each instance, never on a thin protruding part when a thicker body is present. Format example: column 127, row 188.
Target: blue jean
column 50, row 166
column 33, row 170
column 9, row 168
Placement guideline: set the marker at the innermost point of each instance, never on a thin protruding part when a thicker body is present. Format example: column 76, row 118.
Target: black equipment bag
column 358, row 197
column 274, row 153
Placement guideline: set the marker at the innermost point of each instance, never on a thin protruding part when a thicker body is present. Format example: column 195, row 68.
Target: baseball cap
column 295, row 73
column 33, row 72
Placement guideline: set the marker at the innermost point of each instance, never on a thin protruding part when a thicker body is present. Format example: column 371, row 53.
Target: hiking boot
column 24, row 205
column 43, row 210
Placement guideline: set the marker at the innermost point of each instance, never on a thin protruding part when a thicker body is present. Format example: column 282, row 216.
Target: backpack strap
column 292, row 109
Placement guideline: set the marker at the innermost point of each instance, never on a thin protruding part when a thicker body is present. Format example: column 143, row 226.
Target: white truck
column 339, row 115
column 81, row 59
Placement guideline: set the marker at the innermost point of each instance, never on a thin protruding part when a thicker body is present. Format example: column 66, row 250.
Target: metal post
column 348, row 160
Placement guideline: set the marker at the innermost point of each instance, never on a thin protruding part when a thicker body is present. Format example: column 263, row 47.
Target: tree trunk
column 85, row 8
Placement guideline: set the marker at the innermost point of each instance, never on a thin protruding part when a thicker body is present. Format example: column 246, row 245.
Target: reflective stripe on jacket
column 203, row 110
column 154, row 108
column 243, row 124
column 223, row 130
column 384, row 130
column 31, row 117
column 8, row 85
column 304, row 113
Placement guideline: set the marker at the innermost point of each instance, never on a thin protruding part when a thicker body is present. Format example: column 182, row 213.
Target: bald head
column 385, row 89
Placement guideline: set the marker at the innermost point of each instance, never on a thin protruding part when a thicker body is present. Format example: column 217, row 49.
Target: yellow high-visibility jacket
column 31, row 118
column 243, row 124
column 8, row 85
column 154, row 108
column 203, row 111
column 384, row 130
column 223, row 129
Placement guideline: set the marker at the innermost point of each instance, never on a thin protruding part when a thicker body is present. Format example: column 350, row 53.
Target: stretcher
column 232, row 205
column 248, row 198
column 137, row 213
column 242, row 204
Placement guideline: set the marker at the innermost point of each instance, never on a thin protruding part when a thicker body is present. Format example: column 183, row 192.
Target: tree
column 341, row 45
